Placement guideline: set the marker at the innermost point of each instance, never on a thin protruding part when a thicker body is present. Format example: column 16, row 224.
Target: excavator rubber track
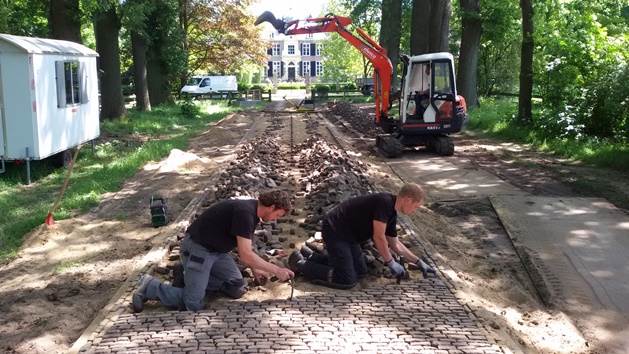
column 442, row 145
column 389, row 145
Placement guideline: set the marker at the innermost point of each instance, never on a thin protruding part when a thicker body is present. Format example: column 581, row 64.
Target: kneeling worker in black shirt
column 353, row 222
column 205, row 255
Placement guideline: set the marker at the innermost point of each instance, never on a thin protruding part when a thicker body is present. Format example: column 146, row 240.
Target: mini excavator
column 430, row 109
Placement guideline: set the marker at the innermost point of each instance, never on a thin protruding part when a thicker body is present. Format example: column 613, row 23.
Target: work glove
column 425, row 268
column 396, row 268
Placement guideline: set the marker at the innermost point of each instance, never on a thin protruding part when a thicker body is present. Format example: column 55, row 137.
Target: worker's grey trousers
column 203, row 271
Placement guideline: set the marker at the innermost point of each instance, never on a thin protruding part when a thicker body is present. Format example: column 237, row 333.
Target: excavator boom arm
column 367, row 46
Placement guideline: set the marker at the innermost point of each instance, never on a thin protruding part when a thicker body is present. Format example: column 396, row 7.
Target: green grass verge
column 495, row 119
column 123, row 148
column 611, row 161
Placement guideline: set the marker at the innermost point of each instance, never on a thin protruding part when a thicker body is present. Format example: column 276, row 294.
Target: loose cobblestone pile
column 258, row 167
column 359, row 119
column 330, row 177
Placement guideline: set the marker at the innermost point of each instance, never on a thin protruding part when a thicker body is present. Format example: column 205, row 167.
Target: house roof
column 47, row 46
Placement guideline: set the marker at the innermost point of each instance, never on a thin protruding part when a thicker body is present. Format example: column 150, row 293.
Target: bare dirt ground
column 65, row 274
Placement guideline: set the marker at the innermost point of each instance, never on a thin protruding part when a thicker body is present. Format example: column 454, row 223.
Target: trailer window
column 71, row 81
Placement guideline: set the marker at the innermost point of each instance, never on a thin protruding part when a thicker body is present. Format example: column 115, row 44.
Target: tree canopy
column 578, row 69
column 221, row 36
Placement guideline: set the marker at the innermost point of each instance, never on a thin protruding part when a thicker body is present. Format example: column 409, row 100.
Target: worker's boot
column 178, row 275
column 139, row 297
column 306, row 251
column 323, row 275
column 296, row 262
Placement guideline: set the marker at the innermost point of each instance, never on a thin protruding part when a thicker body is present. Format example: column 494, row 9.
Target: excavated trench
column 304, row 155
column 324, row 158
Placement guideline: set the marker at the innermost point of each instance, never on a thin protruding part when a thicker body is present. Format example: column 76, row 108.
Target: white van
column 202, row 85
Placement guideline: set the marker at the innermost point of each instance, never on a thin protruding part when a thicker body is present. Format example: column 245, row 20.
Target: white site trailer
column 48, row 98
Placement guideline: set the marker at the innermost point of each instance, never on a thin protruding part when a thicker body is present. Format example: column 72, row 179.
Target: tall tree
column 526, row 63
column 499, row 53
column 138, row 48
column 166, row 59
column 6, row 9
column 106, row 28
column 135, row 18
column 468, row 58
column 343, row 62
column 390, row 33
column 220, row 35
column 439, row 25
column 65, row 20
column 420, row 29
column 365, row 14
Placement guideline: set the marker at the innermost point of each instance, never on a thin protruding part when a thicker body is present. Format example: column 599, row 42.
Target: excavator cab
column 429, row 90
column 430, row 108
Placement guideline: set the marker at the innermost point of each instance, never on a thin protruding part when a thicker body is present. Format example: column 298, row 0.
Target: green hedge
column 263, row 87
column 291, row 86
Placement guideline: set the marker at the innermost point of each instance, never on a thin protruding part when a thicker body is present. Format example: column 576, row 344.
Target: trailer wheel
column 64, row 158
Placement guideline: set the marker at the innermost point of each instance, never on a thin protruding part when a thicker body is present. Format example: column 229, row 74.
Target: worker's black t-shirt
column 217, row 227
column 353, row 219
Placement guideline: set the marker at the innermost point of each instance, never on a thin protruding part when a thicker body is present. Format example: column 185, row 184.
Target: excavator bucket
column 267, row 16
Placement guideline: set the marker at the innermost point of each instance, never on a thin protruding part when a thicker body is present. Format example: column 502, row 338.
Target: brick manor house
column 294, row 58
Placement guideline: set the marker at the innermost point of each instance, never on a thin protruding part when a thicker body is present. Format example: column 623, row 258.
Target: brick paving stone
column 413, row 317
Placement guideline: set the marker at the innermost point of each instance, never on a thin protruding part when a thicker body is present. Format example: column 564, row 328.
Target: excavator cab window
column 443, row 81
column 443, row 97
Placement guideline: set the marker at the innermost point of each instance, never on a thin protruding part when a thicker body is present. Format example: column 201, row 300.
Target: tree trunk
column 106, row 29
column 420, row 29
column 526, row 63
column 390, row 34
column 393, row 51
column 157, row 79
column 468, row 59
column 184, row 23
column 440, row 13
column 385, row 23
column 138, row 45
column 65, row 20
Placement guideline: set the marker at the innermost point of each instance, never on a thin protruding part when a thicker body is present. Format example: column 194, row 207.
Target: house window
column 276, row 49
column 305, row 49
column 71, row 83
column 319, row 68
column 272, row 35
column 319, row 49
column 291, row 49
column 277, row 66
column 310, row 35
column 305, row 68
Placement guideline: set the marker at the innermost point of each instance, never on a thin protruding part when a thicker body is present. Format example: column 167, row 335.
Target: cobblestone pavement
column 413, row 317
column 418, row 316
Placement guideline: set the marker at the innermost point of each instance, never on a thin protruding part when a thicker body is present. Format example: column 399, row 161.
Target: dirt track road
column 46, row 310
